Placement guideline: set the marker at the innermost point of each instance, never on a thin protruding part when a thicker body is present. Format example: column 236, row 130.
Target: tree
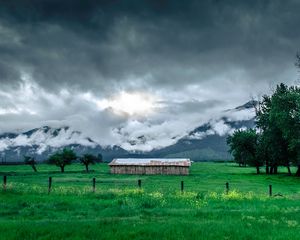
column 236, row 149
column 243, row 145
column 99, row 158
column 63, row 158
column 287, row 112
column 88, row 159
column 30, row 161
column 263, row 151
column 279, row 122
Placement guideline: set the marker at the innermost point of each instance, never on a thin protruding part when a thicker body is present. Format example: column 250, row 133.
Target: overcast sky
column 119, row 70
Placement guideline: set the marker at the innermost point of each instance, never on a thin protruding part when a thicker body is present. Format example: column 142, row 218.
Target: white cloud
column 176, row 71
column 169, row 120
column 44, row 138
column 240, row 115
column 220, row 128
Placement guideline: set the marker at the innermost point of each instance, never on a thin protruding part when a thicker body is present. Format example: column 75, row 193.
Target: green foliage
column 243, row 144
column 63, row 158
column 279, row 121
column 88, row 159
column 278, row 124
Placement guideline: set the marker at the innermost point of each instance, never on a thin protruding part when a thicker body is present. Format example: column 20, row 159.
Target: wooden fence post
column 4, row 182
column 182, row 186
column 49, row 185
column 94, row 184
column 140, row 183
column 227, row 187
column 270, row 190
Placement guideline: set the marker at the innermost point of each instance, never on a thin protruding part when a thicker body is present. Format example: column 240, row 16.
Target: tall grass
column 159, row 210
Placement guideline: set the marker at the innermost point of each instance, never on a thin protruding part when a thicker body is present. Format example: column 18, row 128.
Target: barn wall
column 150, row 170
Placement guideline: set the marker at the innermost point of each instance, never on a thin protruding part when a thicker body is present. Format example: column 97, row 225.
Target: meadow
column 119, row 209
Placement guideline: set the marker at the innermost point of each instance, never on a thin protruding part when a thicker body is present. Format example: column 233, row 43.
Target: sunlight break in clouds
column 140, row 75
column 130, row 104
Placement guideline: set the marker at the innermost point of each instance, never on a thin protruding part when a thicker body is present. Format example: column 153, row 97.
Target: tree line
column 275, row 141
column 66, row 157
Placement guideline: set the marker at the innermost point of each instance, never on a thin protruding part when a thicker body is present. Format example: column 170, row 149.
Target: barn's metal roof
column 150, row 162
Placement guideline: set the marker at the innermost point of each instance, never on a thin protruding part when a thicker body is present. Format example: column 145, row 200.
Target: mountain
column 206, row 142
column 41, row 142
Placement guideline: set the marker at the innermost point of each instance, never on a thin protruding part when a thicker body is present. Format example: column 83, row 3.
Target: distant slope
column 41, row 142
column 211, row 146
column 204, row 154
column 206, row 142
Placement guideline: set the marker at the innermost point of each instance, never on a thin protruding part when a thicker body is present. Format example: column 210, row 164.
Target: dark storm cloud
column 198, row 57
column 97, row 44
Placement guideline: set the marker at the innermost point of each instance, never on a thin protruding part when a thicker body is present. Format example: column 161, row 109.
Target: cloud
column 99, row 46
column 44, row 138
column 169, row 121
column 196, row 58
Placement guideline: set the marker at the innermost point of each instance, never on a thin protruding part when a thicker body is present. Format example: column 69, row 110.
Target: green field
column 120, row 210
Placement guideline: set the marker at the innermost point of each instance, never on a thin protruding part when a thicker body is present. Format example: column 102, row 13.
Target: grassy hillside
column 199, row 154
column 119, row 210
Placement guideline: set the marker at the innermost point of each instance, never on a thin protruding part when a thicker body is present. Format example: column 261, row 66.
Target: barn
column 166, row 166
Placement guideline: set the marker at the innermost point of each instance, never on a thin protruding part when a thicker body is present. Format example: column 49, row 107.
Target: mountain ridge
column 206, row 142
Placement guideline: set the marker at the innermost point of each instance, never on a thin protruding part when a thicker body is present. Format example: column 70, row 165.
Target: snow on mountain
column 46, row 137
column 207, row 141
column 241, row 117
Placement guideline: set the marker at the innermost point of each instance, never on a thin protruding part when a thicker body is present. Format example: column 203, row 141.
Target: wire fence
column 93, row 184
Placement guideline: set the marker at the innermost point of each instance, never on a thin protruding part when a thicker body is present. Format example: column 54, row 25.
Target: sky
column 139, row 71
